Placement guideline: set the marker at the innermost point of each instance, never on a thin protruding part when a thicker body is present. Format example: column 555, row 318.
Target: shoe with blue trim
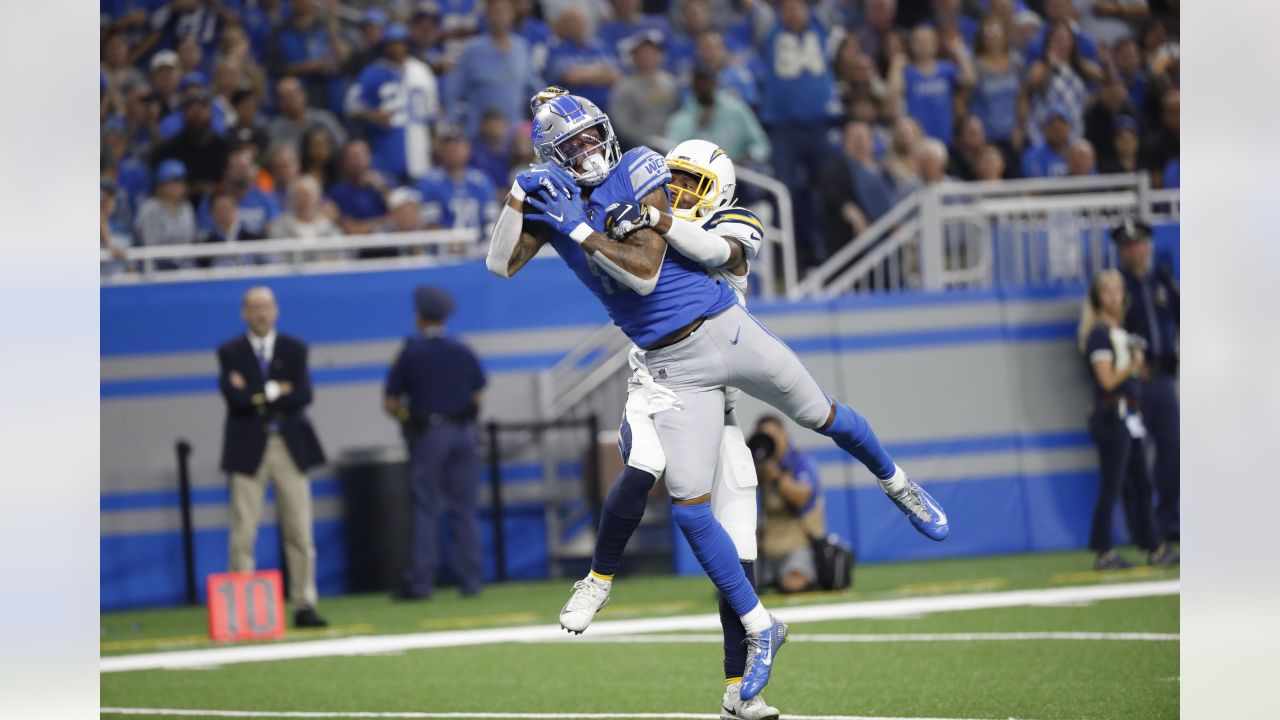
column 762, row 647
column 733, row 707
column 923, row 511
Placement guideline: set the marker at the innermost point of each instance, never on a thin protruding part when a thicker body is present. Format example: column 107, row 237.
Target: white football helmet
column 717, row 180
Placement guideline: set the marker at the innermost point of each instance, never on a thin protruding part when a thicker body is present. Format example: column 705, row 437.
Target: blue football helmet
column 558, row 136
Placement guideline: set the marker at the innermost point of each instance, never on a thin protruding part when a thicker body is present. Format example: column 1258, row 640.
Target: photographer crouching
column 794, row 513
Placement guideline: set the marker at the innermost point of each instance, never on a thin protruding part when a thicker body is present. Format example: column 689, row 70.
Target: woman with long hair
column 319, row 157
column 1116, row 363
column 997, row 98
column 1058, row 79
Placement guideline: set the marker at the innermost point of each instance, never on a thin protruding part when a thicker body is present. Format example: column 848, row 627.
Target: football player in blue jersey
column 696, row 340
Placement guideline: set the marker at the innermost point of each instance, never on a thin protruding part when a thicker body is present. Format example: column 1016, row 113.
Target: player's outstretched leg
column 854, row 435
column 619, row 518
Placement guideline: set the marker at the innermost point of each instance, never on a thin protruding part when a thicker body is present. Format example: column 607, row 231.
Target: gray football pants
column 731, row 349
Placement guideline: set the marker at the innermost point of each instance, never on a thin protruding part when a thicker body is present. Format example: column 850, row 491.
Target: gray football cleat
column 733, row 707
column 588, row 596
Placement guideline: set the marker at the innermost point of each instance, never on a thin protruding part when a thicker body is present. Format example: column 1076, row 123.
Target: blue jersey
column 407, row 93
column 1042, row 161
column 357, row 202
column 684, row 292
column 257, row 211
column 929, row 98
column 798, row 85
column 465, row 203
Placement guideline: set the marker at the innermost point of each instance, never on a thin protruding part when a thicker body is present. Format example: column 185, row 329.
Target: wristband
column 517, row 192
column 581, row 233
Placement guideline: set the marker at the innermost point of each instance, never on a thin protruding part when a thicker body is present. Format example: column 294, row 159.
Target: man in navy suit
column 263, row 376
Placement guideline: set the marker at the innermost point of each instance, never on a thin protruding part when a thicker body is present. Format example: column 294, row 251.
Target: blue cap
column 395, row 33
column 1124, row 122
column 432, row 303
column 373, row 16
column 171, row 170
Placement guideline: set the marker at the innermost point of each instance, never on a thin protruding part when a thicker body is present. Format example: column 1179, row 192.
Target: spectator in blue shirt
column 359, row 192
column 454, row 195
column 494, row 72
column 491, row 153
column 854, row 190
column 1058, row 80
column 998, row 86
column 929, row 85
column 798, row 103
column 1048, row 159
column 1129, row 66
column 257, row 209
column 731, row 75
column 169, row 22
column 305, row 48
column 372, row 23
column 1061, row 11
column 579, row 63
column 627, row 21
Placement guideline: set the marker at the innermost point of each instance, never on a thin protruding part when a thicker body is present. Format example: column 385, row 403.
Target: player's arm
column 736, row 240
column 636, row 259
column 511, row 244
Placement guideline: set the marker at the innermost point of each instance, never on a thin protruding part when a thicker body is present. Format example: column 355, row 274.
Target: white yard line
column 170, row 712
column 364, row 645
column 891, row 637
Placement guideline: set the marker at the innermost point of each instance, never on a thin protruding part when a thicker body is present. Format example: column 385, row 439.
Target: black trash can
column 376, row 505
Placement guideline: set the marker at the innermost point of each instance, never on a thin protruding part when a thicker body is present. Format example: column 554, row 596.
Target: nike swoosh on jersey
column 736, row 335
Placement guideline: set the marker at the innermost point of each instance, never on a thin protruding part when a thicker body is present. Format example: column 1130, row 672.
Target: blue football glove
column 623, row 218
column 560, row 206
column 528, row 180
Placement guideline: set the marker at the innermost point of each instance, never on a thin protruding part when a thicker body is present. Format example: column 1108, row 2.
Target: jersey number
column 793, row 56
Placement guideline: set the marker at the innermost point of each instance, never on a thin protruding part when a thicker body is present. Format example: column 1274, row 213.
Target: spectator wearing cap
column 307, row 47
column 494, row 72
column 492, row 152
column 257, row 209
column 202, row 151
column 798, row 104
column 296, row 118
column 626, row 22
column 1048, row 158
column 434, row 389
column 166, row 218
column 372, row 24
column 1164, row 148
column 1154, row 314
column 926, row 85
column 579, row 62
column 195, row 85
column 1101, row 118
column 1057, row 82
column 358, row 192
column 454, row 195
column 853, row 190
column 710, row 113
column 427, row 41
column 996, row 94
column 1081, row 159
column 250, row 128
column 395, row 101
column 642, row 101
column 305, row 214
column 265, row 381
column 1127, row 145
column 732, row 76
column 165, row 77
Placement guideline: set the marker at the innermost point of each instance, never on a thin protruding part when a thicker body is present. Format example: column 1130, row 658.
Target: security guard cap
column 432, row 303
column 1129, row 231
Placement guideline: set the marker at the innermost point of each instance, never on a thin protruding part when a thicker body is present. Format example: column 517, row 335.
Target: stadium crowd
column 231, row 120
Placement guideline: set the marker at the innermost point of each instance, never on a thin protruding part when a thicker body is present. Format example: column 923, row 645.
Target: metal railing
column 1016, row 233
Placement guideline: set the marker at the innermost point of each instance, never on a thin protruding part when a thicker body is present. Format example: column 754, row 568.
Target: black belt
column 422, row 422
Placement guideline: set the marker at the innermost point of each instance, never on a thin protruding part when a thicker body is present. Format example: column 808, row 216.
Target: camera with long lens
column 762, row 447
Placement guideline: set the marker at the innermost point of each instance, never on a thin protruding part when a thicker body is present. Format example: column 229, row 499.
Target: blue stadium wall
column 981, row 395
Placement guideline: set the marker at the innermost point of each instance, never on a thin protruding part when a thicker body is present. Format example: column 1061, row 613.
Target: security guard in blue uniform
column 434, row 386
column 1153, row 315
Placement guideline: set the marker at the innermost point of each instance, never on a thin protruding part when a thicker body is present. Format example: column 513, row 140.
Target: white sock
column 757, row 620
column 897, row 484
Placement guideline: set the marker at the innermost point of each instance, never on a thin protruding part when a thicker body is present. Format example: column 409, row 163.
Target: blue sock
column 735, row 648
column 623, row 509
column 854, row 435
column 717, row 555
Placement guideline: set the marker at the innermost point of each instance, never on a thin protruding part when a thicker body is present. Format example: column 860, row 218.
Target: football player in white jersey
column 705, row 226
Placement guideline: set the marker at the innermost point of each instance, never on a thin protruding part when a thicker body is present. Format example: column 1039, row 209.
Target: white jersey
column 742, row 225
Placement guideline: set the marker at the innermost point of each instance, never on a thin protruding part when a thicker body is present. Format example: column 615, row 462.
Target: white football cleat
column 733, row 707
column 588, row 596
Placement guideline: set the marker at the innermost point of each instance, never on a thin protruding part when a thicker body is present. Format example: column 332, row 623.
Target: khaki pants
column 293, row 498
